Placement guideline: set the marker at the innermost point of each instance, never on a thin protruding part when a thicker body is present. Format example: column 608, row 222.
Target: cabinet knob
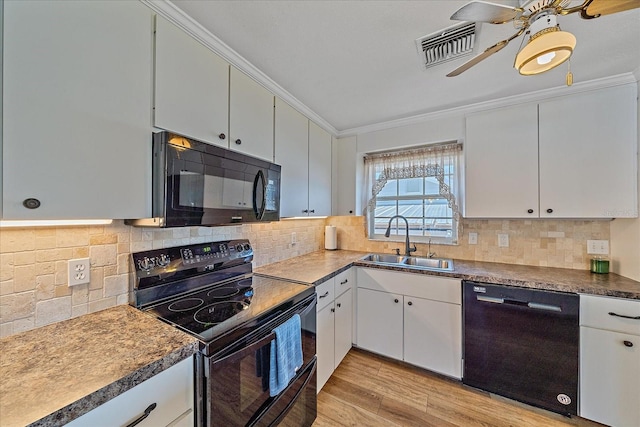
column 339, row 305
column 627, row 343
column 238, row 141
column 350, row 212
column 529, row 210
column 326, row 294
column 333, row 310
column 312, row 211
column 395, row 300
column 409, row 303
column 345, row 281
column 549, row 210
column 222, row 136
column 305, row 211
column 31, row 203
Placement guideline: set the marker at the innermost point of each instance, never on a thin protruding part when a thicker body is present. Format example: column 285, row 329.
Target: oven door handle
column 295, row 398
column 245, row 351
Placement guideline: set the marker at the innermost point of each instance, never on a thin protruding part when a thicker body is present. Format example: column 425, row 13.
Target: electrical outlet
column 79, row 271
column 294, row 239
column 503, row 240
column 598, row 247
column 473, row 238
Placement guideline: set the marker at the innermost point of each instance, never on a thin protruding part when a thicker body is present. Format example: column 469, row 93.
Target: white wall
column 625, row 233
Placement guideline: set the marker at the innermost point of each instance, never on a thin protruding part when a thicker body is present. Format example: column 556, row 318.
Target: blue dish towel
column 286, row 354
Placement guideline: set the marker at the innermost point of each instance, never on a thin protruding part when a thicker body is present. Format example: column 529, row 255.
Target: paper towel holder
column 330, row 238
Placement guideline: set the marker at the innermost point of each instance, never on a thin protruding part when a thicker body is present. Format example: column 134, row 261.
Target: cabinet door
column 76, row 109
column 191, row 87
column 379, row 322
column 250, row 117
column 171, row 390
column 319, row 171
column 588, row 154
column 609, row 377
column 292, row 153
column 433, row 335
column 501, row 163
column 345, row 176
column 343, row 326
column 325, row 344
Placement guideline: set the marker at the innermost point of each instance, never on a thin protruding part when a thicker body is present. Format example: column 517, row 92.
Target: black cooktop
column 219, row 308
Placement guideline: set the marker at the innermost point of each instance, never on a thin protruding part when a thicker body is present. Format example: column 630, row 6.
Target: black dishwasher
column 522, row 344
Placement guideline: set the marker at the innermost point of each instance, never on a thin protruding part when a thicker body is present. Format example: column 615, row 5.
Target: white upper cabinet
column 76, row 109
column 501, row 163
column 250, row 117
column 191, row 86
column 345, row 176
column 292, row 152
column 303, row 149
column 573, row 156
column 588, row 154
column 319, row 171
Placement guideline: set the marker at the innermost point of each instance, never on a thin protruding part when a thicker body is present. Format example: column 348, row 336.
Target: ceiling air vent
column 448, row 44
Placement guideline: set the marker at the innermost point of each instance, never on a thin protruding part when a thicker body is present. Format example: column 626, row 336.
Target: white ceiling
column 355, row 63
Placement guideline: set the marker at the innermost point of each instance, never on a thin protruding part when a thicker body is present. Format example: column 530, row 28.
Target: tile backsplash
column 33, row 261
column 549, row 243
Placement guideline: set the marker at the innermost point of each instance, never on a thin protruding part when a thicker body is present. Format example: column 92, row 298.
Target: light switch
column 503, row 240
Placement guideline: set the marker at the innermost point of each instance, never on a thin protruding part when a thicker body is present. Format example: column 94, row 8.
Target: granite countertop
column 53, row 374
column 319, row 266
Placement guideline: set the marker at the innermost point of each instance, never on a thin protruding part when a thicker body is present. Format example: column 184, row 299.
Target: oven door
column 237, row 383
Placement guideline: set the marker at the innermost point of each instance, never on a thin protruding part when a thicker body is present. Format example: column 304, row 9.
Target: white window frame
column 441, row 161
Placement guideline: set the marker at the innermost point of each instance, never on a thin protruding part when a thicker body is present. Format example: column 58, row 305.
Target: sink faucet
column 408, row 249
column 429, row 253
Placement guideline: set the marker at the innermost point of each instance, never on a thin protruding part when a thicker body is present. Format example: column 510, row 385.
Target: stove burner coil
column 219, row 311
column 185, row 304
column 223, row 292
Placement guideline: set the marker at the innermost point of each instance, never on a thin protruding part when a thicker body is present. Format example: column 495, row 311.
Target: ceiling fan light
column 536, row 58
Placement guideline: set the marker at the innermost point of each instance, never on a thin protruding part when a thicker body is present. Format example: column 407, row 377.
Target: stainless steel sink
column 385, row 258
column 430, row 263
column 420, row 263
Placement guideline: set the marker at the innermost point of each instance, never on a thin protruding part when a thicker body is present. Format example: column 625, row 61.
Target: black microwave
column 199, row 184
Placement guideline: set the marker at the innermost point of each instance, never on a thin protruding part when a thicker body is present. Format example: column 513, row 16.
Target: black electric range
column 208, row 290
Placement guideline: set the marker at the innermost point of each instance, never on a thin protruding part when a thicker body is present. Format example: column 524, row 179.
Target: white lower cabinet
column 334, row 323
column 412, row 317
column 379, row 322
column 171, row 391
column 610, row 360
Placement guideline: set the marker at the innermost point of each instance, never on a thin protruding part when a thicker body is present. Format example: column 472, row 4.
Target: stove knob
column 239, row 247
column 247, row 247
column 145, row 263
column 163, row 260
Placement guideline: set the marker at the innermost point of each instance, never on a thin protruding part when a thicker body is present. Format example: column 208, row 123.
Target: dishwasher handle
column 534, row 305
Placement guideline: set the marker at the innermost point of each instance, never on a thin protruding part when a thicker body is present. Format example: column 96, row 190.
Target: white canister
column 331, row 237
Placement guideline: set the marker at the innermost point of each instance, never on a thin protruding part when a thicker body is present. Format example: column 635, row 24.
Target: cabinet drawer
column 171, row 390
column 325, row 293
column 344, row 281
column 605, row 313
column 417, row 285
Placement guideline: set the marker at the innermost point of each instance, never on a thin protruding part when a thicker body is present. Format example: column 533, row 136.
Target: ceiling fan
column 548, row 46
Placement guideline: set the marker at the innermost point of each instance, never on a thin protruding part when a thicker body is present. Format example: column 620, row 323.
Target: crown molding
column 174, row 14
column 540, row 95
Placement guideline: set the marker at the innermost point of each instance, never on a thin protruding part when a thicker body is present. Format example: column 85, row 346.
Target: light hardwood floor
column 369, row 390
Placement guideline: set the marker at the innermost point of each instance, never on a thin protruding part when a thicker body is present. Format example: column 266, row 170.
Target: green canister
column 599, row 265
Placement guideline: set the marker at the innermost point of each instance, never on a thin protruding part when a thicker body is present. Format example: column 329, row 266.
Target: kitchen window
column 420, row 184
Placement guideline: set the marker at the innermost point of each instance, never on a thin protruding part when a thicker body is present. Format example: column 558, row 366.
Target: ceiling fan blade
column 487, row 53
column 484, row 55
column 480, row 11
column 607, row 7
